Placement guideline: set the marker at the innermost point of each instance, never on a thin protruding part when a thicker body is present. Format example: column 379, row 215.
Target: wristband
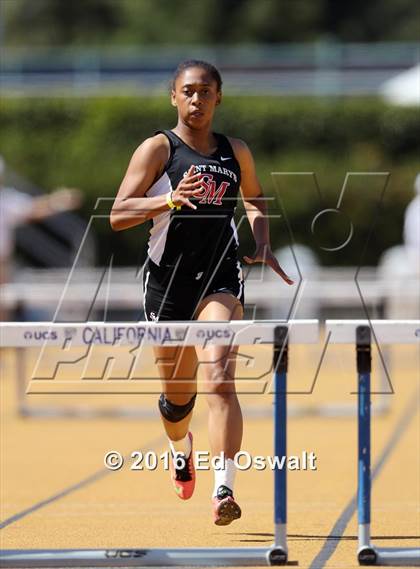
column 170, row 202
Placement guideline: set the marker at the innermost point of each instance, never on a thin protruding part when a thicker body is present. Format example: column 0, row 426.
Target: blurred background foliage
column 87, row 143
column 144, row 22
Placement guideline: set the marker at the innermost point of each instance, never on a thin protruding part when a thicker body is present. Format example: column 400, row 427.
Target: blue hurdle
column 279, row 334
column 278, row 554
column 360, row 333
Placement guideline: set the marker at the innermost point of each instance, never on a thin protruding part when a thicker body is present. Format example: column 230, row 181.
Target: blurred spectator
column 399, row 266
column 17, row 208
column 412, row 224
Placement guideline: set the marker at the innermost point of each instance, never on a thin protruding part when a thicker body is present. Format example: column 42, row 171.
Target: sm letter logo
column 209, row 194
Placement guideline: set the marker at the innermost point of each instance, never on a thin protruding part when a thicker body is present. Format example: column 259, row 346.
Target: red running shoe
column 225, row 509
column 183, row 478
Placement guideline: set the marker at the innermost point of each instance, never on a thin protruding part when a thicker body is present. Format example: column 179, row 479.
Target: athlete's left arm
column 256, row 209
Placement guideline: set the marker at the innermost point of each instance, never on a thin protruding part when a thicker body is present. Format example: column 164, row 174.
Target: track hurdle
column 279, row 334
column 360, row 332
column 25, row 410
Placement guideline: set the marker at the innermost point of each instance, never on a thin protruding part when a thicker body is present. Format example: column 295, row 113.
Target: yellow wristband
column 170, row 202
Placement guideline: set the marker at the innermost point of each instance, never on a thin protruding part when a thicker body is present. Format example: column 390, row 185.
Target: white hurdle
column 279, row 334
column 23, row 335
column 362, row 333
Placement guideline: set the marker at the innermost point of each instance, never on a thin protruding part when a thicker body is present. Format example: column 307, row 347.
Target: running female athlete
column 186, row 181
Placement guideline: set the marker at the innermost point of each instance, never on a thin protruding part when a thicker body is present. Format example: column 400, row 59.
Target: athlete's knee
column 219, row 382
column 175, row 413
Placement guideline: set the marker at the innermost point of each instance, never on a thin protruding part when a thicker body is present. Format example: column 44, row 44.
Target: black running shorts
column 175, row 297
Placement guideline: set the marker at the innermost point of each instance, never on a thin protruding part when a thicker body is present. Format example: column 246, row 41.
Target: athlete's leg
column 225, row 417
column 218, row 364
column 177, row 368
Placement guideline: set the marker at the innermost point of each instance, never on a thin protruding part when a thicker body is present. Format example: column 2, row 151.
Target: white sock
column 183, row 445
column 224, row 476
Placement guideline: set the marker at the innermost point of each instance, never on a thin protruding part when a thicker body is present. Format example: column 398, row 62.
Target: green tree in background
column 87, row 143
column 53, row 22
column 140, row 22
column 360, row 21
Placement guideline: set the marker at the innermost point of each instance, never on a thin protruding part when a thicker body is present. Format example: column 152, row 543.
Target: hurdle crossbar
column 23, row 335
column 237, row 332
column 383, row 331
column 361, row 333
column 277, row 333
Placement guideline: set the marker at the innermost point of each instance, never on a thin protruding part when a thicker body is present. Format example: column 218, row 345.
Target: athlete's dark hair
column 211, row 69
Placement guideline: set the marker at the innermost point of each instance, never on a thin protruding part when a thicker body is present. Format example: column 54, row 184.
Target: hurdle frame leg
column 367, row 554
column 278, row 553
column 21, row 371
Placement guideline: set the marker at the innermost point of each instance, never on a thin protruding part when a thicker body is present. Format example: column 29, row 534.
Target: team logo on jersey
column 209, row 193
column 153, row 317
column 199, row 275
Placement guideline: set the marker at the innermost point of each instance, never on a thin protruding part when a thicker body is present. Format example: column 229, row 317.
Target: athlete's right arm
column 131, row 206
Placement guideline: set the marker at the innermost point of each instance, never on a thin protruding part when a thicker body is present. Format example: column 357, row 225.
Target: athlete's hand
column 263, row 254
column 188, row 187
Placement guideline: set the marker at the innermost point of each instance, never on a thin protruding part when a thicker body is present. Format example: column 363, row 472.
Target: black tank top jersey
column 193, row 240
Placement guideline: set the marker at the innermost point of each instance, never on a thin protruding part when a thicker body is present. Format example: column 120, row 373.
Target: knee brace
column 175, row 413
